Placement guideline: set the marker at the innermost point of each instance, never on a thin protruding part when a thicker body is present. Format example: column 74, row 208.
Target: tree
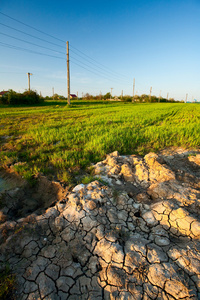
column 107, row 96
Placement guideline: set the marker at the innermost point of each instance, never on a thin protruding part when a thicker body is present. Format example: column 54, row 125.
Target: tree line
column 14, row 98
column 32, row 97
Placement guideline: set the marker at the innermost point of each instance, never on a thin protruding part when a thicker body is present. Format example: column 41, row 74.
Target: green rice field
column 59, row 141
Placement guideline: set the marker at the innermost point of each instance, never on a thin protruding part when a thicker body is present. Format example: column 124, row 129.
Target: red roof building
column 3, row 93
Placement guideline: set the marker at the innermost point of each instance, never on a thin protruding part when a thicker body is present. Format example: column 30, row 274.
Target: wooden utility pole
column 53, row 92
column 167, row 96
column 68, row 76
column 29, row 85
column 111, row 93
column 133, row 89
column 186, row 98
column 150, row 94
column 122, row 95
column 77, row 95
column 159, row 97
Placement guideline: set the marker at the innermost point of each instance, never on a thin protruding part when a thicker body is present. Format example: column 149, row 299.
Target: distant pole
column 133, row 89
column 122, row 94
column 77, row 95
column 186, row 98
column 111, row 93
column 159, row 97
column 29, row 85
column 150, row 94
column 167, row 96
column 53, row 92
column 68, row 75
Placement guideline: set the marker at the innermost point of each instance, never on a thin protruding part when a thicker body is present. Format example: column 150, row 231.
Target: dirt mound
column 19, row 199
column 136, row 238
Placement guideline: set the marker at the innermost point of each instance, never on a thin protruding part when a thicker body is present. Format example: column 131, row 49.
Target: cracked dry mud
column 137, row 238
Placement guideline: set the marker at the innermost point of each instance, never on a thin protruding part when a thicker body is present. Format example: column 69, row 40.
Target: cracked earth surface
column 137, row 238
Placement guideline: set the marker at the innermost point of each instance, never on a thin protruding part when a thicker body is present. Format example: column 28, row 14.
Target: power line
column 32, row 27
column 100, row 75
column 28, row 50
column 91, row 67
column 64, row 42
column 95, row 61
column 30, row 35
column 13, row 37
column 36, row 52
column 104, row 69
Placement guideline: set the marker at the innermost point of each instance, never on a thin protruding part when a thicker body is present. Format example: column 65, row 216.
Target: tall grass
column 56, row 139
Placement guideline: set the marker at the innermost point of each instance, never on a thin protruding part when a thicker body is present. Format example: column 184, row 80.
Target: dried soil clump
column 136, row 238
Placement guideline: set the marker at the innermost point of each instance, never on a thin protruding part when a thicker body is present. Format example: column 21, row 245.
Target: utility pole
column 122, row 95
column 77, row 95
column 167, row 96
column 186, row 98
column 29, row 85
column 68, row 75
column 133, row 89
column 111, row 93
column 53, row 92
column 150, row 94
column 159, row 97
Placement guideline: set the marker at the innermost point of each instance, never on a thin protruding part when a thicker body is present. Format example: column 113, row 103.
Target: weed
column 115, row 196
column 87, row 179
column 7, row 283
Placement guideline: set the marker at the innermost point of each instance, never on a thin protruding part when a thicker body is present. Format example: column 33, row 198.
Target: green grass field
column 55, row 139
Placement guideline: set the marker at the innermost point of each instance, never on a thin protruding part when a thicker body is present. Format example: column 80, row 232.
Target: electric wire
column 32, row 27
column 36, row 52
column 94, row 60
column 103, row 69
column 28, row 50
column 18, row 39
column 121, row 75
column 100, row 72
column 31, row 35
column 97, row 64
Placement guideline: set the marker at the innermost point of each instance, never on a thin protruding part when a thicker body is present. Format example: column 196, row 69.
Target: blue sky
column 111, row 42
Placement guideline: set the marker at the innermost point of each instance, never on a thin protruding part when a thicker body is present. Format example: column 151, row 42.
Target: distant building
column 3, row 93
column 72, row 96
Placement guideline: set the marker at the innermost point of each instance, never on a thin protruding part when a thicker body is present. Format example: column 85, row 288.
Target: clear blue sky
column 157, row 42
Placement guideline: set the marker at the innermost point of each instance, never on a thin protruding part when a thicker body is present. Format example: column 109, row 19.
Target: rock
column 52, row 271
column 176, row 288
column 116, row 276
column 162, row 241
column 157, row 275
column 115, row 170
column 64, row 283
column 142, row 174
column 3, row 217
column 78, row 187
column 149, row 219
column 195, row 229
column 127, row 173
column 195, row 159
column 155, row 254
column 46, row 285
